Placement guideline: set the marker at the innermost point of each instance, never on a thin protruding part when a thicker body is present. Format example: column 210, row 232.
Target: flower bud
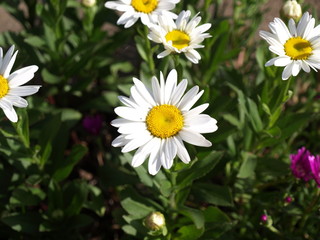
column 88, row 3
column 264, row 218
column 155, row 221
column 291, row 9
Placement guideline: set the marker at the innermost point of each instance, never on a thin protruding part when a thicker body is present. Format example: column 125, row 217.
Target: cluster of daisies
column 156, row 121
column 306, row 166
column 159, row 120
column 178, row 34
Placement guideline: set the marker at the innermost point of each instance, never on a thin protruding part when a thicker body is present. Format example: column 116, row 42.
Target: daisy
column 147, row 10
column 156, row 122
column 11, row 91
column 181, row 36
column 298, row 47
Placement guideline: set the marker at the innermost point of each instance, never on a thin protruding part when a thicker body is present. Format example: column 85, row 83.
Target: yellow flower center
column 145, row 6
column 164, row 121
column 179, row 39
column 4, row 87
column 298, row 48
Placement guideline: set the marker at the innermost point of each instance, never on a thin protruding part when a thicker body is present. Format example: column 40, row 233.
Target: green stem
column 309, row 209
column 149, row 51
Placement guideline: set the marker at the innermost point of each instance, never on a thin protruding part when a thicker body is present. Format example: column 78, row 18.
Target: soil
column 8, row 23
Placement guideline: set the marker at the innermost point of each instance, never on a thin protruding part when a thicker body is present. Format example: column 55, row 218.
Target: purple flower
column 315, row 168
column 264, row 218
column 300, row 164
column 92, row 124
column 288, row 199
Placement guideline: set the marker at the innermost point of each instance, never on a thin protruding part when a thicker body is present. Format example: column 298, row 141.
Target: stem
column 149, row 51
column 309, row 209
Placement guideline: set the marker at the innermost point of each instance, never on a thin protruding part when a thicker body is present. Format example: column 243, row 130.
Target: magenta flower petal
column 315, row 168
column 300, row 165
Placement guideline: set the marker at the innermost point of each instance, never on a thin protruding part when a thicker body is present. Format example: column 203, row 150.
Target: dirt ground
column 8, row 23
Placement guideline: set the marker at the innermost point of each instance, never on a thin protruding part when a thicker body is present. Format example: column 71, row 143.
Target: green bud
column 155, row 221
column 88, row 3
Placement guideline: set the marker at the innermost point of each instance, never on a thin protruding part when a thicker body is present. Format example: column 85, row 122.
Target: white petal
column 24, row 90
column 120, row 141
column 130, row 113
column 164, row 53
column 202, row 123
column 144, row 92
column 292, row 27
column 170, row 85
column 22, row 76
column 194, row 138
column 10, row 65
column 180, row 89
column 6, row 60
column 182, row 151
column 156, row 89
column 144, row 151
column 282, row 61
column 187, row 105
column 16, row 101
column 197, row 110
column 11, row 114
column 135, row 143
column 188, row 97
column 287, row 71
column 296, row 68
column 154, row 163
column 170, row 152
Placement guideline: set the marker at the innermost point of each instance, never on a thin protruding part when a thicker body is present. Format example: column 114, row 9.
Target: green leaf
column 213, row 194
column 49, row 77
column 135, row 208
column 26, row 223
column 215, row 215
column 189, row 232
column 75, row 194
column 76, row 154
column 253, row 115
column 22, row 127
column 203, row 165
column 194, row 214
column 248, row 165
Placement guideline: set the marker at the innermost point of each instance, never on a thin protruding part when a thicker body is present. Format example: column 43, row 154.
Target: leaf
column 26, row 223
column 74, row 195
column 248, row 165
column 49, row 77
column 253, row 115
column 194, row 214
column 135, row 208
column 76, row 154
column 213, row 194
column 22, row 127
column 199, row 169
column 189, row 232
column 215, row 215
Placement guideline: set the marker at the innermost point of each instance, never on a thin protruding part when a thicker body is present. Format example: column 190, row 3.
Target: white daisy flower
column 180, row 36
column 298, row 47
column 156, row 122
column 147, row 10
column 11, row 91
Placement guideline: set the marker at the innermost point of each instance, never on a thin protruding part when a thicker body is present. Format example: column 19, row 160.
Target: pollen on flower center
column 179, row 39
column 164, row 121
column 145, row 6
column 4, row 87
column 298, row 48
